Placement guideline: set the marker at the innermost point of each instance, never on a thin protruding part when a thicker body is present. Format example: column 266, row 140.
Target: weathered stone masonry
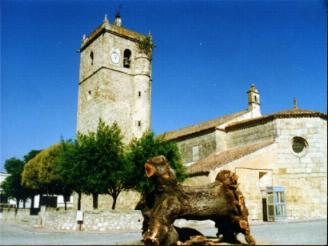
column 285, row 149
column 114, row 86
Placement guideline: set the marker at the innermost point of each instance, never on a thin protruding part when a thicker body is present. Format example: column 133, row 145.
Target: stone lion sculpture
column 221, row 202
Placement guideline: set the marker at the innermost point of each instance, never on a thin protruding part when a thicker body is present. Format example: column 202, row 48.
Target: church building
column 280, row 158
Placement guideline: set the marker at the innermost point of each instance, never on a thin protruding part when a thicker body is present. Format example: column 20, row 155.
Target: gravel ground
column 279, row 233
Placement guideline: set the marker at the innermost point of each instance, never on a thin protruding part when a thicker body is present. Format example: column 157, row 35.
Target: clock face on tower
column 115, row 56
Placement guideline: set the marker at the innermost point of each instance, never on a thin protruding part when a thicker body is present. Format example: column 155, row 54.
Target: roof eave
column 188, row 132
column 271, row 117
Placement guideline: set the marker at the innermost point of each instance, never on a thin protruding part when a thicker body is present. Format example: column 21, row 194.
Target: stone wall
column 306, row 195
column 303, row 174
column 127, row 200
column 98, row 220
column 251, row 135
column 252, row 184
column 206, row 145
column 21, row 216
column 111, row 91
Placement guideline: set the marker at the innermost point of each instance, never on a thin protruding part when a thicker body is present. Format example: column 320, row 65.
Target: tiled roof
column 211, row 124
column 292, row 113
column 299, row 112
column 219, row 159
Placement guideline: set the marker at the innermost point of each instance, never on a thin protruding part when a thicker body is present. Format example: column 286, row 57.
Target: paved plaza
column 283, row 233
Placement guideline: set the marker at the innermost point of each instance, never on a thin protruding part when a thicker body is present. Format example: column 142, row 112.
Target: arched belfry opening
column 127, row 58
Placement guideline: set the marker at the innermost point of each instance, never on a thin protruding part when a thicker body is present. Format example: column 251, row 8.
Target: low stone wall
column 98, row 220
column 94, row 220
column 127, row 200
column 21, row 216
column 59, row 220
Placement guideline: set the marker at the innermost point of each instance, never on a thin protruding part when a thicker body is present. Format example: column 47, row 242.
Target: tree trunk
column 17, row 204
column 66, row 198
column 47, row 200
column 114, row 201
column 221, row 202
column 32, row 204
column 95, row 200
column 24, row 203
column 79, row 201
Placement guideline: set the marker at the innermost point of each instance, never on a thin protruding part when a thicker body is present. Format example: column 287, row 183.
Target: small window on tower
column 255, row 98
column 139, row 123
column 91, row 57
column 127, row 60
column 139, row 93
column 89, row 96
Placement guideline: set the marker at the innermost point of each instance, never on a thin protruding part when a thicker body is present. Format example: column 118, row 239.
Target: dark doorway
column 264, row 209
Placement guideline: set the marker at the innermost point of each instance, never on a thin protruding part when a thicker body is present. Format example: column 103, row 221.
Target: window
column 276, row 203
column 139, row 123
column 91, row 57
column 126, row 59
column 89, row 95
column 299, row 145
column 139, row 93
column 261, row 174
column 255, row 98
column 195, row 153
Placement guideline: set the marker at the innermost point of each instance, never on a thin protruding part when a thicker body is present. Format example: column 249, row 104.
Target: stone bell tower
column 115, row 79
column 253, row 96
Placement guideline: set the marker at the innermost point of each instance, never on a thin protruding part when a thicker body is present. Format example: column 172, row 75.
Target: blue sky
column 208, row 54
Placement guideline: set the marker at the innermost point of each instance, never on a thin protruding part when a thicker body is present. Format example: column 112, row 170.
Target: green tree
column 95, row 163
column 104, row 156
column 40, row 173
column 87, row 160
column 117, row 171
column 71, row 167
column 30, row 155
column 148, row 146
column 12, row 185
